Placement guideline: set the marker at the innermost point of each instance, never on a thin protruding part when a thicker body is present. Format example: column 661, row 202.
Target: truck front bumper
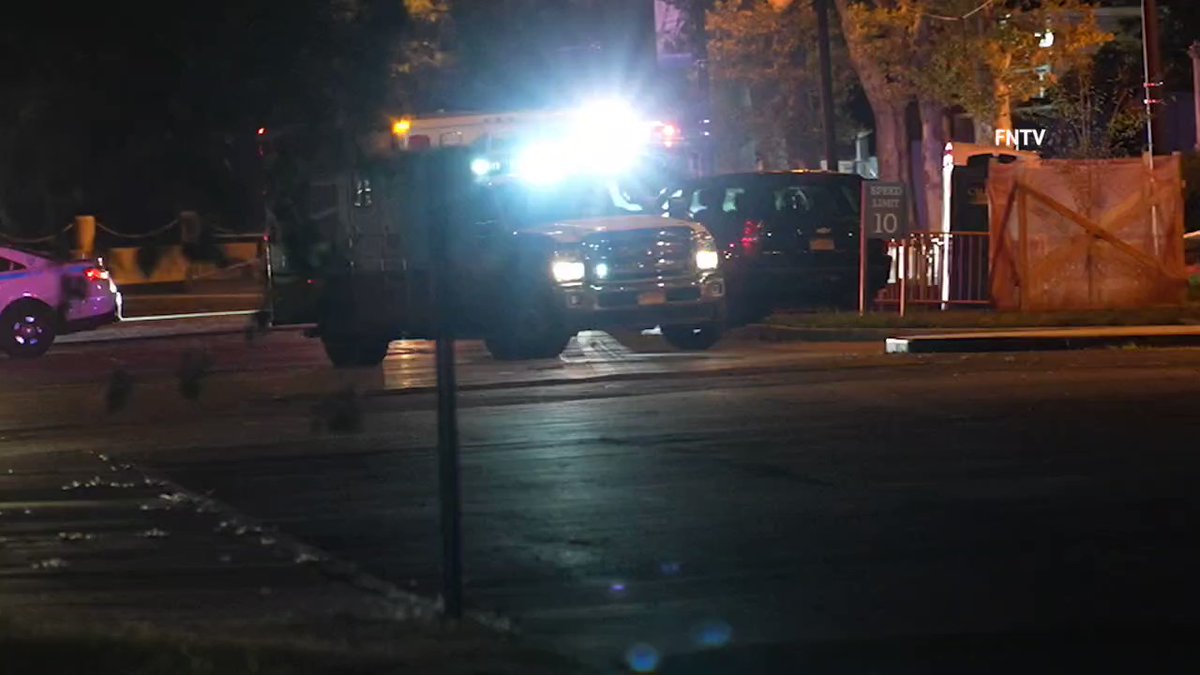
column 644, row 304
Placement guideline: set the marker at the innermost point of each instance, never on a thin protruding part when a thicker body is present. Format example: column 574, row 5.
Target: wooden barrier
column 1096, row 234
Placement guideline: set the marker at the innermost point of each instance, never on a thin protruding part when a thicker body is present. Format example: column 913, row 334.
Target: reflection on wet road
column 639, row 506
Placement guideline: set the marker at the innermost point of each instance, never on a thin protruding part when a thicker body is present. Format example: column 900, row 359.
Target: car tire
column 350, row 351
column 692, row 338
column 523, row 348
column 536, row 330
column 27, row 329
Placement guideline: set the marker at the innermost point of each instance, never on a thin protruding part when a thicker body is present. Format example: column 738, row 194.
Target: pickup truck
column 530, row 265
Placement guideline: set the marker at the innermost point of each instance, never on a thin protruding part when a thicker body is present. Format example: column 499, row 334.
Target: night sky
column 138, row 109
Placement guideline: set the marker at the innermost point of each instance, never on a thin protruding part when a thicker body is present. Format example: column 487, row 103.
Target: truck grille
column 640, row 255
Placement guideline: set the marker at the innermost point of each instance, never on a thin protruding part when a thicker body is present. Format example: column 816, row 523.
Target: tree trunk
column 891, row 132
column 891, row 142
column 1004, row 118
column 933, row 148
column 743, row 158
column 985, row 134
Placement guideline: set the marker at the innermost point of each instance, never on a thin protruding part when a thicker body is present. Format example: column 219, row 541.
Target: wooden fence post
column 85, row 236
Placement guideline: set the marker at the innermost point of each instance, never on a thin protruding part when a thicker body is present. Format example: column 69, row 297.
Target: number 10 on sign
column 884, row 215
column 886, row 225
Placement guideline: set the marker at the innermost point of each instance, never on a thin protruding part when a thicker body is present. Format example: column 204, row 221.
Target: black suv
column 789, row 239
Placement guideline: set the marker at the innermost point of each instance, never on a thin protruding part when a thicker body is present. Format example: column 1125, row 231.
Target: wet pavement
column 95, row 540
column 759, row 508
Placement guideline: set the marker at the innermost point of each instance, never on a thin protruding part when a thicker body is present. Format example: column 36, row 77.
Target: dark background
column 135, row 111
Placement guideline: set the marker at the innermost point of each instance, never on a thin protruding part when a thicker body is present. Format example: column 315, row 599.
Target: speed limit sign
column 885, row 210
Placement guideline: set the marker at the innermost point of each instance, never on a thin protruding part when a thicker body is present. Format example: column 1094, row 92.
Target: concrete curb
column 774, row 333
column 1045, row 339
column 769, row 333
column 764, row 332
column 141, row 338
column 116, row 335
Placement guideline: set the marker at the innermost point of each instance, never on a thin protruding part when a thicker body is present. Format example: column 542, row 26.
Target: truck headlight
column 567, row 271
column 541, row 164
column 707, row 259
column 481, row 166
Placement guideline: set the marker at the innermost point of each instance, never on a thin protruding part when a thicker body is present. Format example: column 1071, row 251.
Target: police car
column 41, row 298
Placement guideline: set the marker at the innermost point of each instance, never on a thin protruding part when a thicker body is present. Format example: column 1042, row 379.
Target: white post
column 1153, row 203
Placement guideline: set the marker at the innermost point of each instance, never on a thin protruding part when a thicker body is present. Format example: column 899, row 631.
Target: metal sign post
column 885, row 215
column 442, row 173
column 862, row 252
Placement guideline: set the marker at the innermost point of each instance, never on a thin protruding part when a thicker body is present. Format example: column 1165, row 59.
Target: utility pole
column 823, row 49
column 1152, row 67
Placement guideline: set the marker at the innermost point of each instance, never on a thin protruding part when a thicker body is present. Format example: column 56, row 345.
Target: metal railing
column 942, row 269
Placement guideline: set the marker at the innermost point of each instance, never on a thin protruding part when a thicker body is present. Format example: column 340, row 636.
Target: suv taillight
column 752, row 237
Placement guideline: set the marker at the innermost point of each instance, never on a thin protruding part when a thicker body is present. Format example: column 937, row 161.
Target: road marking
column 193, row 296
column 195, row 315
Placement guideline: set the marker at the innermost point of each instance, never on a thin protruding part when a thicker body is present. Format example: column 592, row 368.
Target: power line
column 964, row 17
column 980, row 8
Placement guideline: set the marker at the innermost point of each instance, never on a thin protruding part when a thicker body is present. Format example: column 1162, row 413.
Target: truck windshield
column 765, row 196
column 526, row 205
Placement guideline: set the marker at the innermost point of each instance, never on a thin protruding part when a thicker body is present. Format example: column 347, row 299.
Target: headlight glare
column 566, row 271
column 481, row 167
column 707, row 259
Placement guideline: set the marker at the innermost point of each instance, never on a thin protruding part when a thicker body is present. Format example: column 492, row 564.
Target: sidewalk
column 95, row 547
column 158, row 302
column 198, row 287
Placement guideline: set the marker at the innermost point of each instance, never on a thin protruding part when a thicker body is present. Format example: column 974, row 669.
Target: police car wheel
column 27, row 329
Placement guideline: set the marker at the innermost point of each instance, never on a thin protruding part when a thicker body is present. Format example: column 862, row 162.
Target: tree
column 880, row 45
column 423, row 53
column 1178, row 31
column 984, row 57
column 1019, row 51
column 763, row 56
column 101, row 114
column 1094, row 111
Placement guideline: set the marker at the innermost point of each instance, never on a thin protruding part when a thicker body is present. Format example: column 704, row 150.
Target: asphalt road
column 760, row 508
